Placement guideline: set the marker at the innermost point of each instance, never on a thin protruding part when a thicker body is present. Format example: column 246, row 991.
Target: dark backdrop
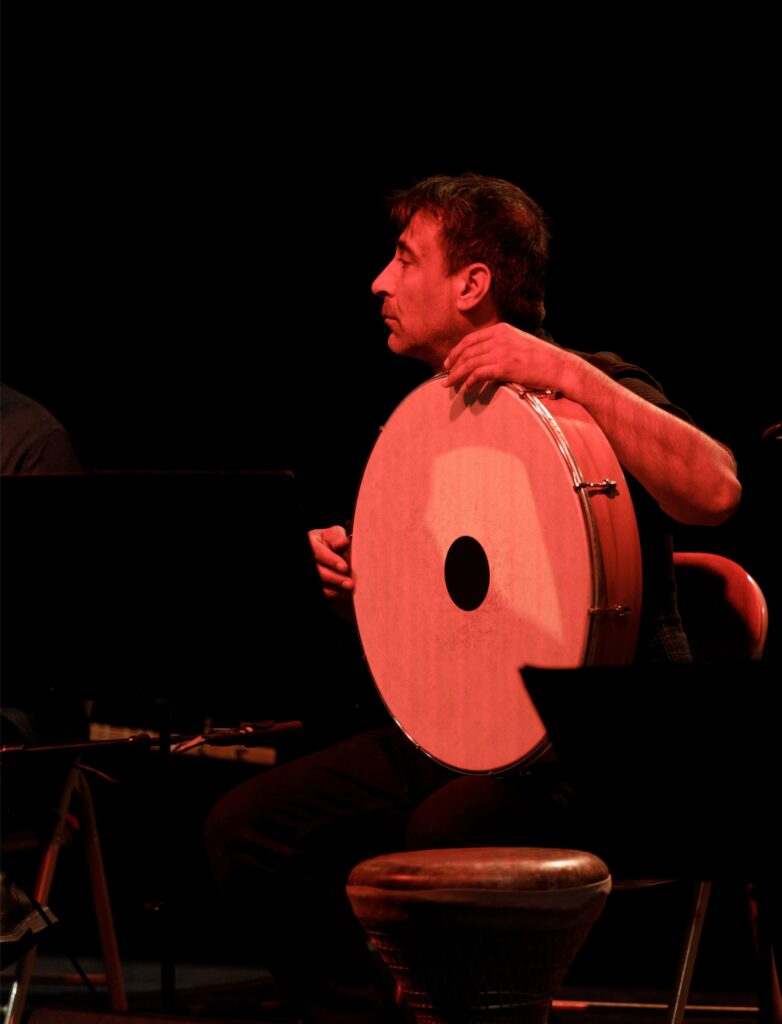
column 191, row 233
column 191, row 228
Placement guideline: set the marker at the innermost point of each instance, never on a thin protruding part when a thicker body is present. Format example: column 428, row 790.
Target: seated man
column 464, row 292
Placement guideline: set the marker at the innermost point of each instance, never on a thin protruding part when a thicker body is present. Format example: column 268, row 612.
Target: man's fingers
column 324, row 552
column 334, row 579
column 332, row 568
column 338, row 541
column 460, row 371
column 326, row 557
column 458, row 361
column 483, row 374
column 478, row 340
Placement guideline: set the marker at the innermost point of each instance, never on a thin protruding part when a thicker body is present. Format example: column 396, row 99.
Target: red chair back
column 723, row 609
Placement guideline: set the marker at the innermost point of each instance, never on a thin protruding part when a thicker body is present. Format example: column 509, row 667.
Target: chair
column 725, row 617
column 722, row 607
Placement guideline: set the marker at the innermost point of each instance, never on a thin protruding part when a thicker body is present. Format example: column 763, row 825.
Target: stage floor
column 225, row 993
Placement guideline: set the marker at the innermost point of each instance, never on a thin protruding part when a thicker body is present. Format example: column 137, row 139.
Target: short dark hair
column 491, row 221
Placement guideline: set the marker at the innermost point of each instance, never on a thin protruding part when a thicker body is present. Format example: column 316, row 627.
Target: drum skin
column 475, row 553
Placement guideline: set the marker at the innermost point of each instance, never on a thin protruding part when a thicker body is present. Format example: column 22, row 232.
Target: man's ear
column 474, row 286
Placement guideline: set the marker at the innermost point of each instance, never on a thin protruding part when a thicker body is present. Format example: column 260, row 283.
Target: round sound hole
column 467, row 573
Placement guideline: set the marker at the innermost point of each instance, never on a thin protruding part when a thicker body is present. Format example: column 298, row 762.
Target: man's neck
column 473, row 323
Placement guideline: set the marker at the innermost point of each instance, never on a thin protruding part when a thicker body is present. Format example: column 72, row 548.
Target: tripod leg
column 43, row 886
column 100, row 897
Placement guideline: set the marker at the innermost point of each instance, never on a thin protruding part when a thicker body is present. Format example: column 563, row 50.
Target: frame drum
column 491, row 532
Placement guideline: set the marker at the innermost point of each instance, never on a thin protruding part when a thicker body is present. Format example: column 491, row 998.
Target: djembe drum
column 479, row 936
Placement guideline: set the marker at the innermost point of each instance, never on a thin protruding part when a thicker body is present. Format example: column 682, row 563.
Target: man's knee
column 440, row 821
column 240, row 827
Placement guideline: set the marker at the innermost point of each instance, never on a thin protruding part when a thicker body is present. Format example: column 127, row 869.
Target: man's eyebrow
column 405, row 248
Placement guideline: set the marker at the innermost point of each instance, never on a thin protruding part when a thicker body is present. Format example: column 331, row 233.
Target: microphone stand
column 248, row 734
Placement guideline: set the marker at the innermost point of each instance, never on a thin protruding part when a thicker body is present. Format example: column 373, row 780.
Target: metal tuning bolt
column 550, row 393
column 620, row 610
column 606, row 486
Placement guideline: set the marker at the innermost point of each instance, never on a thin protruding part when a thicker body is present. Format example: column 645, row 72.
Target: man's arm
column 691, row 476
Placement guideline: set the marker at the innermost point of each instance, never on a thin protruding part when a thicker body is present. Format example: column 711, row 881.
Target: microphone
column 249, row 734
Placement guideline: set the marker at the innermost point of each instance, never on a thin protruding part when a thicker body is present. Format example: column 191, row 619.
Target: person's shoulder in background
column 32, row 441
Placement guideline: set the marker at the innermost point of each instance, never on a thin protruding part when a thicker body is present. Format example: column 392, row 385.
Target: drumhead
column 474, row 553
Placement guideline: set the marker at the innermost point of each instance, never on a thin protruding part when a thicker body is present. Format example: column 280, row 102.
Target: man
column 464, row 292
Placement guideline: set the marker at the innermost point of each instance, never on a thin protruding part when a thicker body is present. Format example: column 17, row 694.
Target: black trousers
column 283, row 844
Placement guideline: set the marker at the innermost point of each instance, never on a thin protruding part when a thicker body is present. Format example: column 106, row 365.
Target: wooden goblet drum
column 479, row 935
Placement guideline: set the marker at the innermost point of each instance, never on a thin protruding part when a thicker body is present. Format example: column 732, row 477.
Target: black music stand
column 159, row 583
column 676, row 767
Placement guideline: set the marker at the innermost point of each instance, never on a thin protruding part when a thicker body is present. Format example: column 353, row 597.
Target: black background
column 194, row 212
column 191, row 233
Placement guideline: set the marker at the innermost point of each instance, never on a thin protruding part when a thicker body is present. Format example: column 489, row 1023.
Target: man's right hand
column 331, row 548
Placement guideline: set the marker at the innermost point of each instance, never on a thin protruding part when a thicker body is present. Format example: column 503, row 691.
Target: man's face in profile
column 419, row 298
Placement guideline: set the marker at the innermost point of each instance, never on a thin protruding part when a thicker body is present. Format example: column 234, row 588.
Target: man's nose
column 382, row 283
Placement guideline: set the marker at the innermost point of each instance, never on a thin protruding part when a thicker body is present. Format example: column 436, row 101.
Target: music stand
column 676, row 767
column 159, row 582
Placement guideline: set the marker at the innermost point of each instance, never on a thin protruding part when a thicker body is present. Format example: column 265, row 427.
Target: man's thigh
column 535, row 808
column 336, row 806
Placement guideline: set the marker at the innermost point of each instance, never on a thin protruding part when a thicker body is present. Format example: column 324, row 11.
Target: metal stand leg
column 763, row 899
column 689, row 952
column 43, row 885
column 100, row 898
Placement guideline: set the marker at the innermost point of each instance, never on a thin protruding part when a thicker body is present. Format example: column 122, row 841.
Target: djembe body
column 479, row 935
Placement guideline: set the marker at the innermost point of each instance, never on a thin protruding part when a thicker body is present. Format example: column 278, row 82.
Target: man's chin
column 396, row 344
column 401, row 345
column 404, row 347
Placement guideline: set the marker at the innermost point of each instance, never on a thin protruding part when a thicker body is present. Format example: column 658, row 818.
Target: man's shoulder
column 635, row 378
column 617, row 367
column 17, row 407
column 33, row 440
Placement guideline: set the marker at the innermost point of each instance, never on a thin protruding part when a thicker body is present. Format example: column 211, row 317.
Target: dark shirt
column 32, row 441
column 661, row 637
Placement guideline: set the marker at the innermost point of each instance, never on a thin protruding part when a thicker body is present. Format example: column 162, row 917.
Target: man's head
column 472, row 250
